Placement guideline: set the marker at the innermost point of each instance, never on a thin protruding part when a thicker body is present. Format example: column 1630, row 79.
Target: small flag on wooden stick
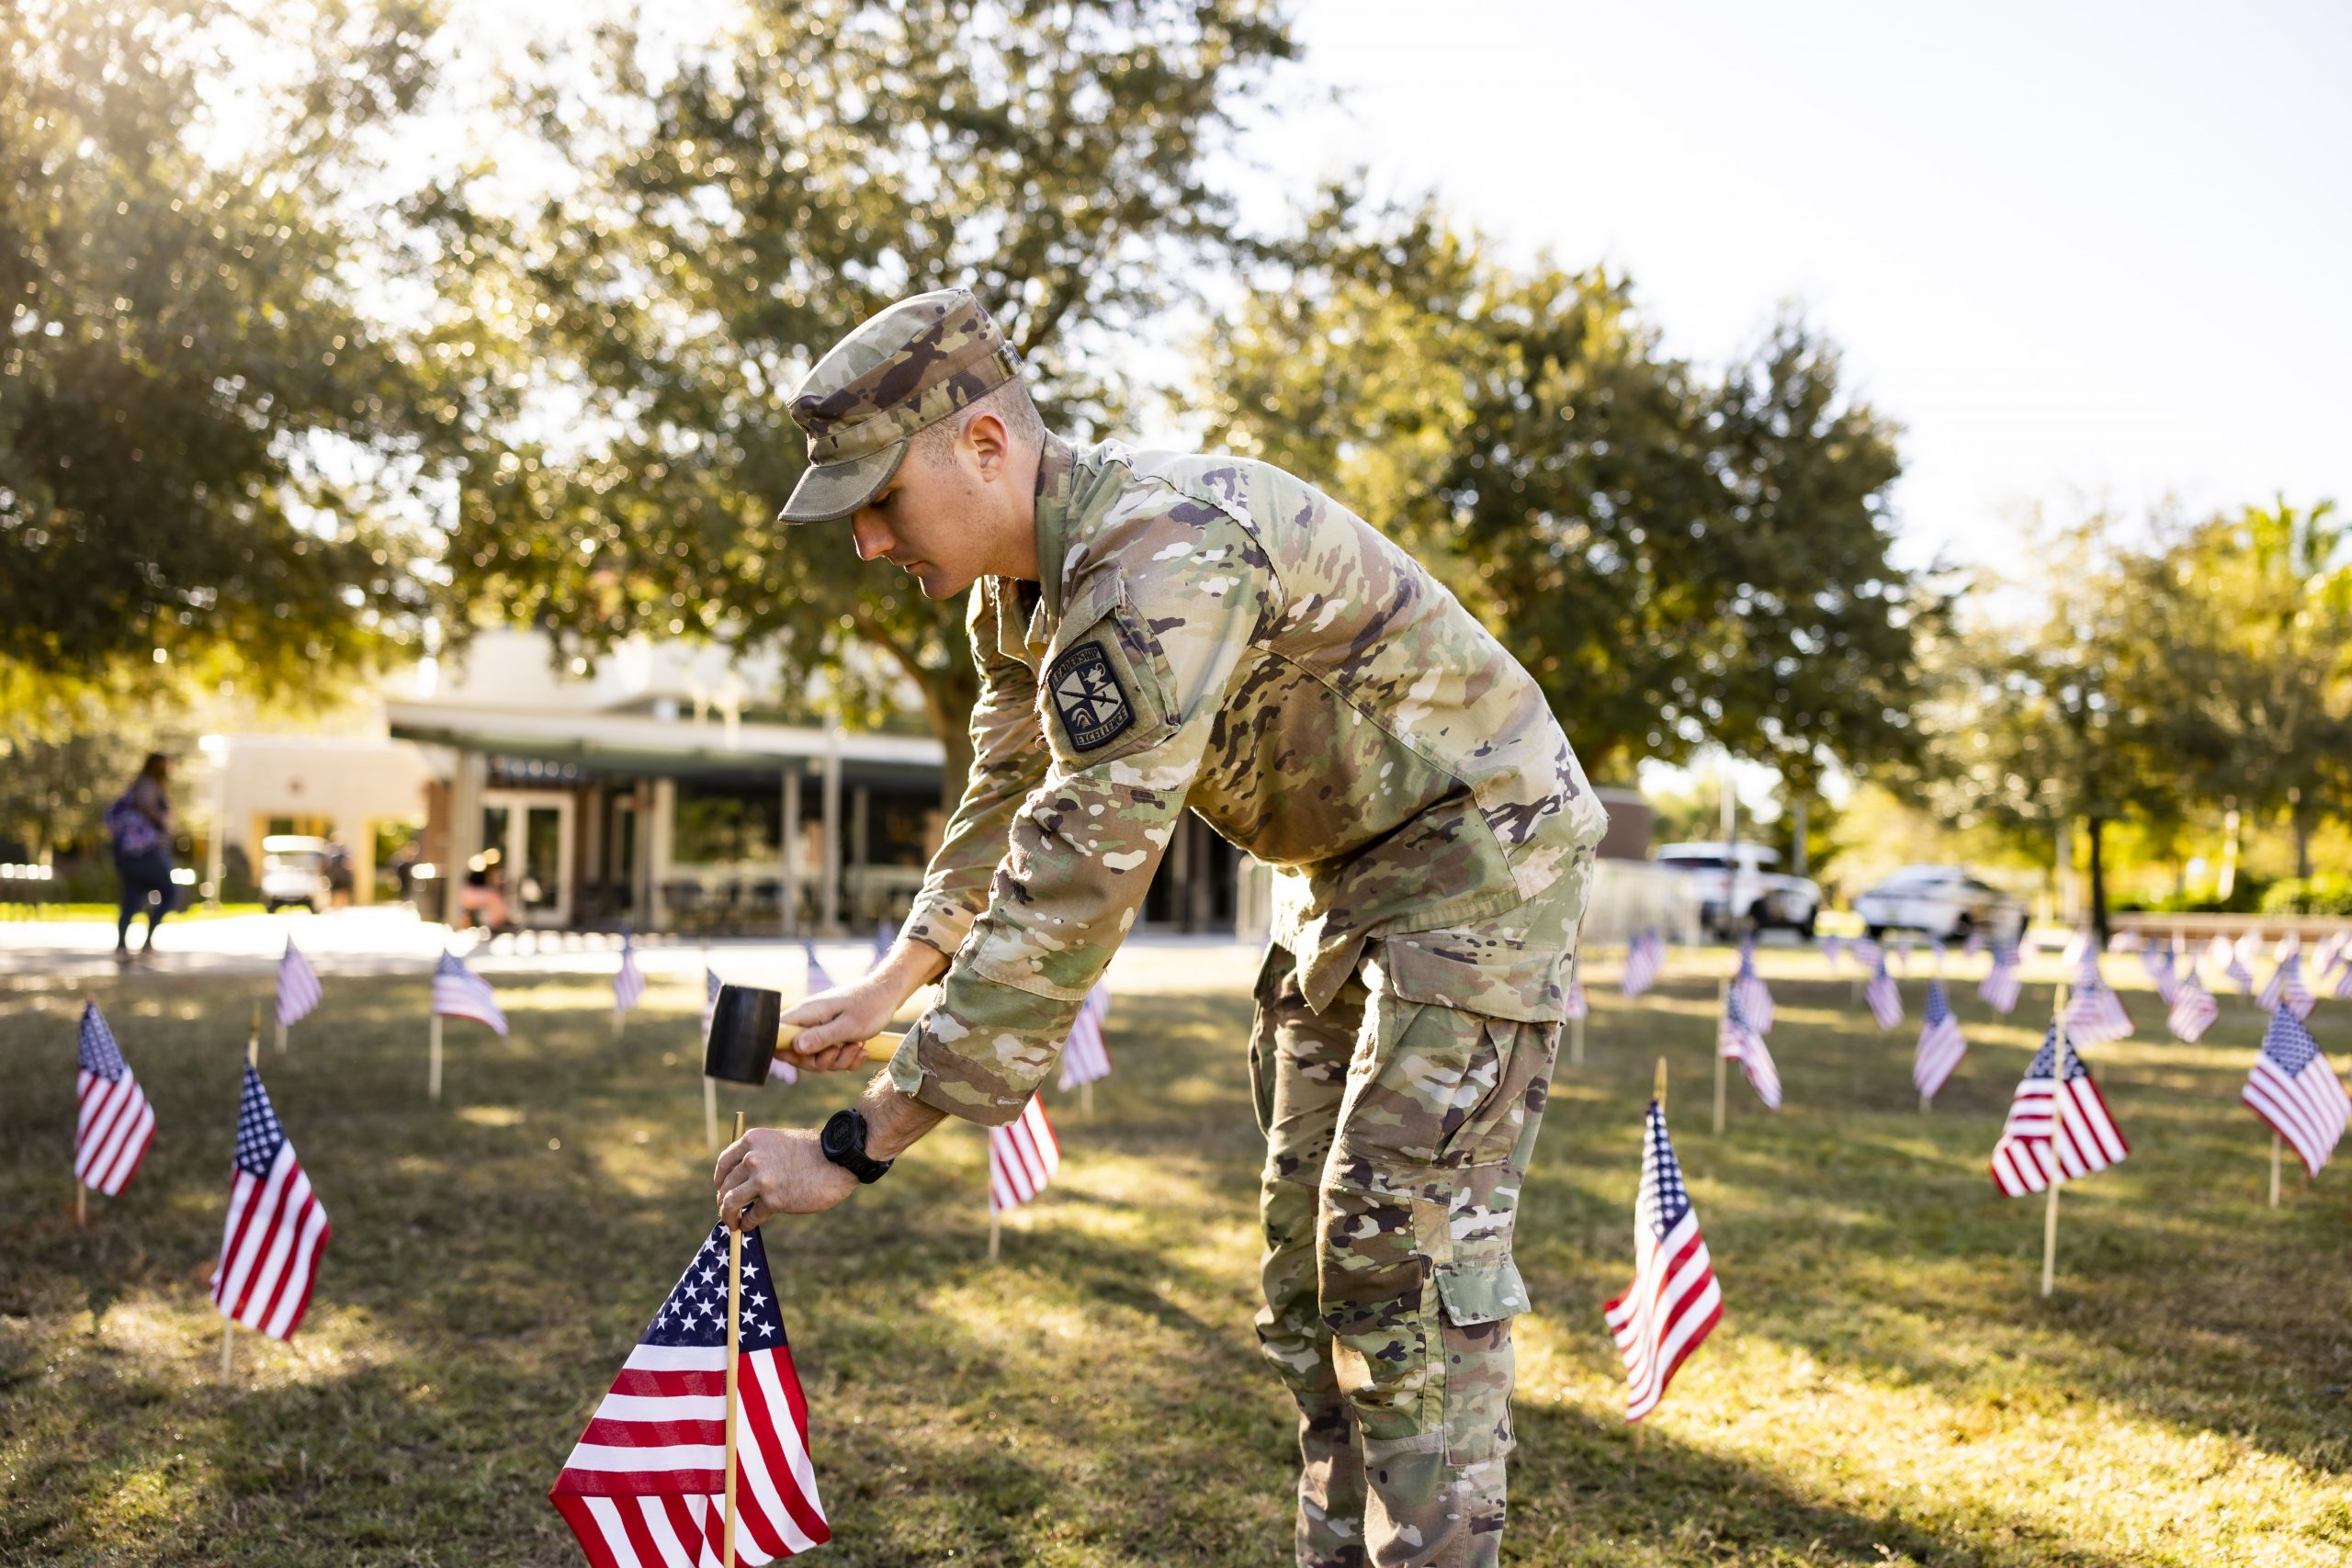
column 277, row 1226
column 1940, row 1045
column 297, row 989
column 1674, row 1303
column 2293, row 1087
column 1085, row 1059
column 628, row 982
column 647, row 1482
column 115, row 1123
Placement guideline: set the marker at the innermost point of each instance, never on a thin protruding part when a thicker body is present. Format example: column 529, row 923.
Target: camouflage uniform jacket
column 1215, row 633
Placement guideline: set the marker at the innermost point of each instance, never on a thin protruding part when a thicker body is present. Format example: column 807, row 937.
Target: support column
column 861, row 817
column 656, row 843
column 363, row 863
column 466, row 785
column 792, row 868
column 641, row 854
column 829, row 896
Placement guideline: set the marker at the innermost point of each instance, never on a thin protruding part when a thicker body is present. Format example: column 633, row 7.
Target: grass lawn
column 1886, row 1386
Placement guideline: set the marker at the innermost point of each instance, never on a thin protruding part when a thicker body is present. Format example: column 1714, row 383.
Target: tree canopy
column 193, row 401
column 1681, row 559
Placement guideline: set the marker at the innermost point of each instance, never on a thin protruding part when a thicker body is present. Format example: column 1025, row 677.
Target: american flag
column 1940, row 1045
column 115, row 1123
column 2193, row 1008
column 2087, row 1138
column 711, row 988
column 1755, row 996
column 885, row 933
column 1645, row 957
column 1674, row 1301
column 2294, row 1089
column 2288, row 945
column 1831, row 948
column 646, row 1486
column 459, row 992
column 2286, row 990
column 2344, row 985
column 1738, row 1040
column 2240, row 967
column 1999, row 989
column 629, row 984
column 2327, row 955
column 277, row 1227
column 1976, row 942
column 1022, row 1157
column 1866, row 952
column 2224, row 957
column 1083, row 1058
column 1578, row 1005
column 2125, row 942
column 2094, row 1013
column 1884, row 997
column 2157, row 962
column 297, row 987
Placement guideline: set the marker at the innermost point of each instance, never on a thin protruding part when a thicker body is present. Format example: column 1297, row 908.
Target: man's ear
column 989, row 443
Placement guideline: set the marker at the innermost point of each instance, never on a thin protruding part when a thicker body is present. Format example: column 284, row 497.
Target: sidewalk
column 391, row 939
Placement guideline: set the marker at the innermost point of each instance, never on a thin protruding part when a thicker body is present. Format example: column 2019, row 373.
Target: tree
column 2245, row 655
column 1681, row 561
column 789, row 177
column 191, row 398
column 2032, row 724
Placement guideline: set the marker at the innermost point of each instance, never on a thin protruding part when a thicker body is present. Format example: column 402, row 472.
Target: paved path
column 387, row 940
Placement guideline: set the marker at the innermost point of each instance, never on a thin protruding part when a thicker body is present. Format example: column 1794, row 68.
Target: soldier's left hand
column 776, row 1170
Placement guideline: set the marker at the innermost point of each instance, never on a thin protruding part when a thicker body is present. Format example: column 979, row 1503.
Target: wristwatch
column 843, row 1142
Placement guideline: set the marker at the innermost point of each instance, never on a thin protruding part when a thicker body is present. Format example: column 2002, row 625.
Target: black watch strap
column 843, row 1142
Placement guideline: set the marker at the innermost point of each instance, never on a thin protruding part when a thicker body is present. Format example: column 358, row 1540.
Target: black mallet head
column 743, row 1028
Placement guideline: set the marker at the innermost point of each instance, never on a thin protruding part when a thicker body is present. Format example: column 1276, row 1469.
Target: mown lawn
column 1886, row 1387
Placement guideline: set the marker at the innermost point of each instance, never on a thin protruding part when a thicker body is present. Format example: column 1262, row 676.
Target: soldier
column 1157, row 631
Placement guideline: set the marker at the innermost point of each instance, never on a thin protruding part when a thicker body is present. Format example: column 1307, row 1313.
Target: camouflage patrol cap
column 910, row 366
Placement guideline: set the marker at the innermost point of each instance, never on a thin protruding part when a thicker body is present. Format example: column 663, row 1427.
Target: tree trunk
column 2097, row 826
column 2302, row 818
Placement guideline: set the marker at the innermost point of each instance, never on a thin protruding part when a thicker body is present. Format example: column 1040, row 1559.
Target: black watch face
column 839, row 1135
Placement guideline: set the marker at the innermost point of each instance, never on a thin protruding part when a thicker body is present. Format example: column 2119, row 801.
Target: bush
column 2326, row 894
column 2246, row 898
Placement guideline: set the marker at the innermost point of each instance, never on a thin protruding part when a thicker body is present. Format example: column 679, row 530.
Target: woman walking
column 140, row 824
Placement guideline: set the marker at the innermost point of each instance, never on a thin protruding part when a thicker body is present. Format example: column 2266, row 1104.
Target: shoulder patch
column 1094, row 708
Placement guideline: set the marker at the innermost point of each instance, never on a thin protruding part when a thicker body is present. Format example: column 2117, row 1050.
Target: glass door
column 531, row 830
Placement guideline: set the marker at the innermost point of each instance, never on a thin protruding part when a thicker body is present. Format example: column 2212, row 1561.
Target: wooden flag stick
column 2274, row 1170
column 281, row 1039
column 2057, row 1137
column 82, row 1198
column 1086, row 1097
column 1659, row 1093
column 432, row 1072
column 710, row 1113
column 992, row 1227
column 734, row 1351
column 1722, row 999
column 1575, row 1041
column 229, row 1324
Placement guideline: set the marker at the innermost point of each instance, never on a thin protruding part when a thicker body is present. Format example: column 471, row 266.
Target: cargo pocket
column 1477, row 1300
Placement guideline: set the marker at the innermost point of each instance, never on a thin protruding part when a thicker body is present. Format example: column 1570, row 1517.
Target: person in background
column 140, row 822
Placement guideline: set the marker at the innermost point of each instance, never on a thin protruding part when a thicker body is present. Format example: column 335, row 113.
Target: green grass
column 1886, row 1386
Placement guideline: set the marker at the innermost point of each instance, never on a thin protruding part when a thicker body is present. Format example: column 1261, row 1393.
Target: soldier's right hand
column 834, row 1025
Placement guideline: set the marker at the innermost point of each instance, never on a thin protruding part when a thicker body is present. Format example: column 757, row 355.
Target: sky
column 2082, row 253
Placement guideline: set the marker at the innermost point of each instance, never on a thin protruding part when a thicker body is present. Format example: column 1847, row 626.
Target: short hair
column 1009, row 402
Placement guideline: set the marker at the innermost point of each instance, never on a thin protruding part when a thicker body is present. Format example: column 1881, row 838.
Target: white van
column 293, row 871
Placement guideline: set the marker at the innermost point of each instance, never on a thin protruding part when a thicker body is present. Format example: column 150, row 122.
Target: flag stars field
column 1884, row 1387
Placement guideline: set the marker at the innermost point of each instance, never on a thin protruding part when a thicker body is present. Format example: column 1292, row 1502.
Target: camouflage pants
column 1398, row 1133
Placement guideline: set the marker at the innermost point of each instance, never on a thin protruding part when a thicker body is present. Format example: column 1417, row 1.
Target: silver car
column 1946, row 902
